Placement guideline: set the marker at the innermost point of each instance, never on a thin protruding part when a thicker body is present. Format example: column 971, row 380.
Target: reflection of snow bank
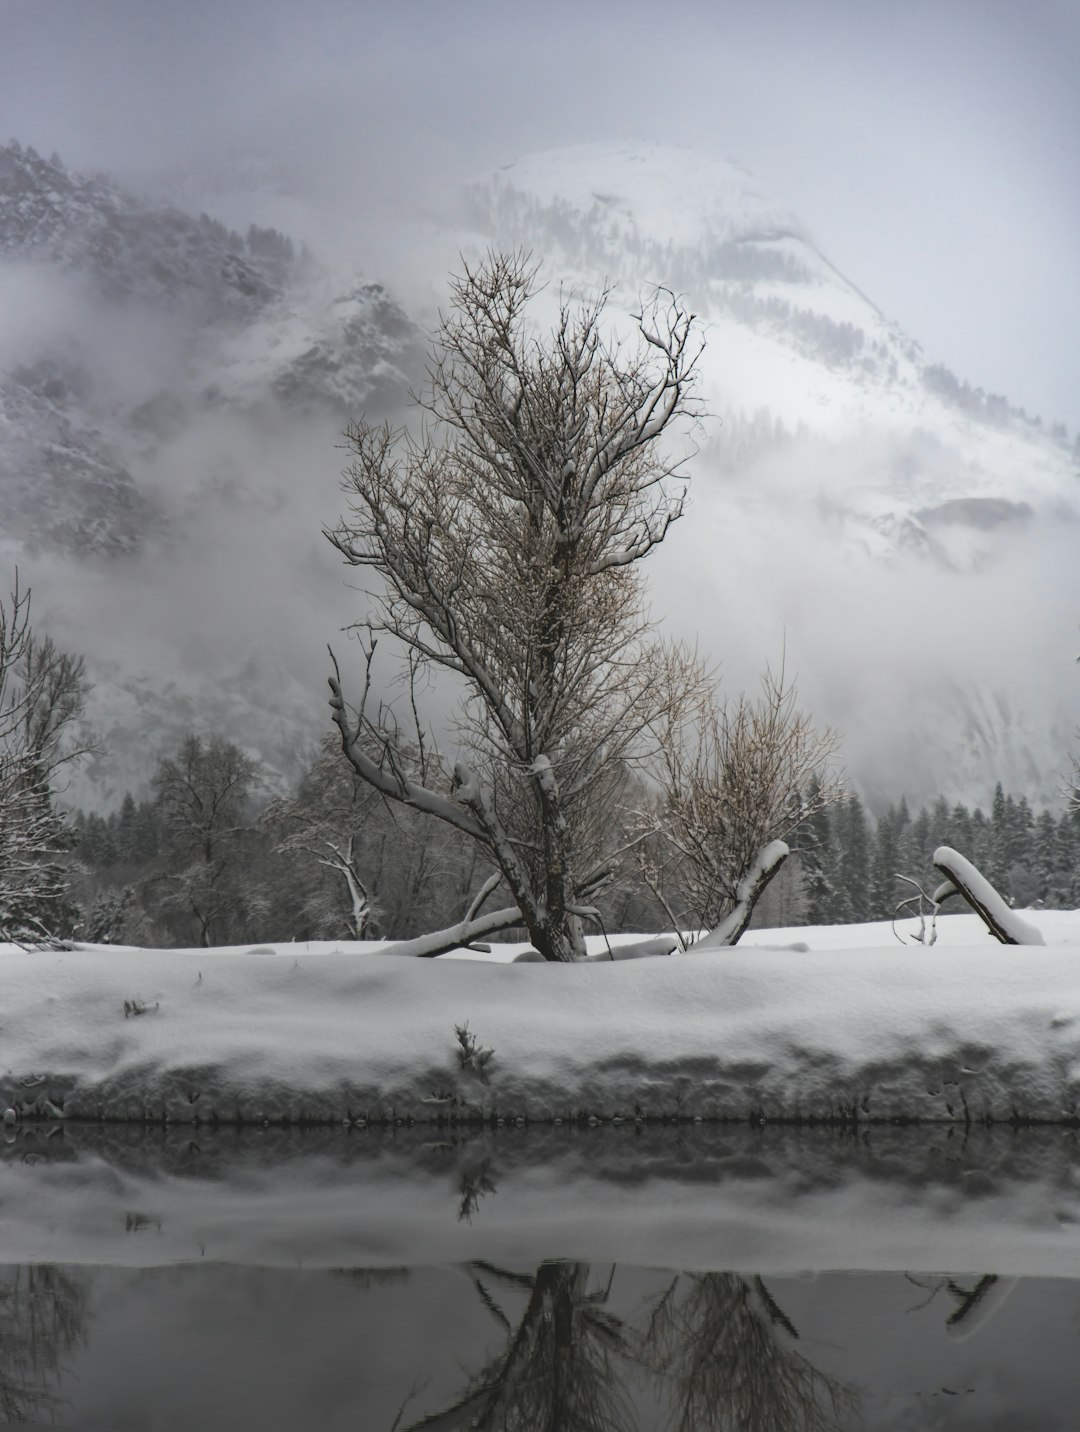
column 696, row 1197
column 958, row 1033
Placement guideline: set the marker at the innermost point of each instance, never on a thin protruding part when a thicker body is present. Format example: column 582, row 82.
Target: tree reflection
column 555, row 1372
column 727, row 1351
column 42, row 1312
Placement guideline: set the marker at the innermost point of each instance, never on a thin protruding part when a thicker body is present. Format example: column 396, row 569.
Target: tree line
column 207, row 857
column 851, row 863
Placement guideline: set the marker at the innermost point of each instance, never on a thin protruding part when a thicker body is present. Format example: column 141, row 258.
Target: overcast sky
column 930, row 146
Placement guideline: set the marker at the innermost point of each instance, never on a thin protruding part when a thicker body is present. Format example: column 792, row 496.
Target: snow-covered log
column 640, row 950
column 1002, row 922
column 727, row 932
column 438, row 942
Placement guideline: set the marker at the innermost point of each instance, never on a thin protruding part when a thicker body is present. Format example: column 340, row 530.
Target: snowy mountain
column 128, row 324
column 163, row 381
column 171, row 394
column 908, row 540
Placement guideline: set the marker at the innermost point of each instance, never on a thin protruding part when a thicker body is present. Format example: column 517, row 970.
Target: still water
column 131, row 1334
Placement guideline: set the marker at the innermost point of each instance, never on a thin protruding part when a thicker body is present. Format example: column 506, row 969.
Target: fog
column 929, row 149
column 939, row 678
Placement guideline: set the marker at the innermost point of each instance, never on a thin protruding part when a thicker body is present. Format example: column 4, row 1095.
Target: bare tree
column 42, row 694
column 358, row 864
column 737, row 781
column 204, row 795
column 506, row 537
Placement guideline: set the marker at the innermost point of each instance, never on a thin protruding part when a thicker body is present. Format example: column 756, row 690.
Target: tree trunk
column 558, row 941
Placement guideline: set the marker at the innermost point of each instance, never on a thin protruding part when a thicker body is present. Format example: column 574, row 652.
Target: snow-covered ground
column 843, row 1024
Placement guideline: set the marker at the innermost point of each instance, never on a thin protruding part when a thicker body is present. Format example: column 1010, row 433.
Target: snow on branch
column 454, row 937
column 1002, row 921
column 727, row 932
column 639, row 950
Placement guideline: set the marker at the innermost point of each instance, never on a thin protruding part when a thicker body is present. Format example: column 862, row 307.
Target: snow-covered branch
column 1002, row 921
column 454, row 937
column 751, row 886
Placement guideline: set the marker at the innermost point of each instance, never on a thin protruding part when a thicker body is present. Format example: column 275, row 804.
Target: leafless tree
column 736, row 782
column 204, row 794
column 506, row 537
column 358, row 864
column 42, row 694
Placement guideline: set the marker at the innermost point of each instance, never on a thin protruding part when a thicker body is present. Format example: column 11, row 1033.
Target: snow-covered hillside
column 172, row 393
column 910, row 539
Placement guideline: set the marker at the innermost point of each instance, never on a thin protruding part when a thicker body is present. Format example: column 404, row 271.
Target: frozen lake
column 601, row 1279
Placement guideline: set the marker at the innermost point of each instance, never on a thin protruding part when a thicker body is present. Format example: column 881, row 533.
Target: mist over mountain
column 908, row 540
column 171, row 392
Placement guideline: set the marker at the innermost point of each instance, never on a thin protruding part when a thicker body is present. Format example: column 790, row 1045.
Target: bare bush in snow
column 737, row 780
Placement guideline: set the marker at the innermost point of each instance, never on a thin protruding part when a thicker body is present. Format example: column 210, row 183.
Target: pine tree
column 817, row 853
column 999, row 859
column 982, row 836
column 1067, row 851
column 886, row 863
column 853, row 833
column 962, row 838
column 125, row 837
column 1045, row 853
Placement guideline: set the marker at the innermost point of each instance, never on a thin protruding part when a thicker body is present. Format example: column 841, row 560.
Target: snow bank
column 961, row 1032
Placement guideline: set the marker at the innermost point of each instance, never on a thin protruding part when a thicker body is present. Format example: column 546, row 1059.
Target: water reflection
column 727, row 1351
column 285, row 1279
column 42, row 1314
column 555, row 1371
column 719, row 1345
column 559, row 1347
